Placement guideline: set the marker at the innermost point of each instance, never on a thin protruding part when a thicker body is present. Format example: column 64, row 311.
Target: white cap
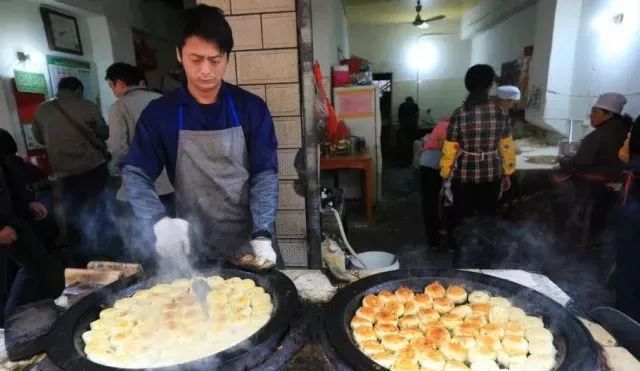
column 508, row 92
column 613, row 102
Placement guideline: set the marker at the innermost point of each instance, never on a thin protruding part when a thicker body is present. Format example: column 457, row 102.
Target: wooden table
column 361, row 162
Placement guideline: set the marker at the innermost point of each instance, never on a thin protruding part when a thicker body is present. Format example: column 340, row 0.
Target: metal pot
column 566, row 148
column 577, row 350
column 66, row 348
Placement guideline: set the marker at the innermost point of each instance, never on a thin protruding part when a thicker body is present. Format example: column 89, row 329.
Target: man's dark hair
column 123, row 72
column 141, row 76
column 70, row 83
column 208, row 22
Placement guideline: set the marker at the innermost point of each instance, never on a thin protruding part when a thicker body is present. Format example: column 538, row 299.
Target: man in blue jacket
column 218, row 144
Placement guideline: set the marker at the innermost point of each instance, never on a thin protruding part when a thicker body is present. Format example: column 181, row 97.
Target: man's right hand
column 7, row 236
column 172, row 237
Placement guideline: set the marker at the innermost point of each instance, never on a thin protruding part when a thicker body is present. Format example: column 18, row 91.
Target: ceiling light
column 423, row 25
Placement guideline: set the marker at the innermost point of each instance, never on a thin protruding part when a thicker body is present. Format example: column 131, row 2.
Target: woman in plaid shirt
column 479, row 153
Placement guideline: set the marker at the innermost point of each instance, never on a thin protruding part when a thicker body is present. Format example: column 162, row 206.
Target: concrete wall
column 504, row 41
column 437, row 62
column 607, row 55
column 330, row 32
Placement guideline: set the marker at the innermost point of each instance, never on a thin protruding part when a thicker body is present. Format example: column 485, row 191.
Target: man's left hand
column 38, row 210
column 263, row 251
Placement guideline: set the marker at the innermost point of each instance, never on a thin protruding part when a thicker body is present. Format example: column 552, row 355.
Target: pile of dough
column 165, row 325
column 450, row 329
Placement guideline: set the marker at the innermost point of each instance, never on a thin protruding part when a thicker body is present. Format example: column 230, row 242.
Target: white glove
column 263, row 250
column 172, row 237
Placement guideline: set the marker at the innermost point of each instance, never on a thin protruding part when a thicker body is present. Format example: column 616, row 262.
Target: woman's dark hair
column 123, row 72
column 208, row 22
column 477, row 80
column 70, row 83
column 8, row 145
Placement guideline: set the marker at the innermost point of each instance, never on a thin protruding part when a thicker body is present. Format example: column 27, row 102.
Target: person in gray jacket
column 74, row 133
column 127, row 84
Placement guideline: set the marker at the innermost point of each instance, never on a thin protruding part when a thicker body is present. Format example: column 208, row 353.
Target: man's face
column 118, row 88
column 204, row 63
column 598, row 116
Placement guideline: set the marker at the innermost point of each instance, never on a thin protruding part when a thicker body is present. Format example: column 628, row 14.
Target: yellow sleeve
column 508, row 154
column 623, row 153
column 449, row 153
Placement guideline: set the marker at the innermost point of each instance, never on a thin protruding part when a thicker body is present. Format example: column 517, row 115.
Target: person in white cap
column 599, row 149
column 596, row 164
column 508, row 96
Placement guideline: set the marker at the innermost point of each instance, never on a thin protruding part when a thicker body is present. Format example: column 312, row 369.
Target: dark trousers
column 431, row 184
column 89, row 207
column 471, row 200
column 627, row 275
column 40, row 274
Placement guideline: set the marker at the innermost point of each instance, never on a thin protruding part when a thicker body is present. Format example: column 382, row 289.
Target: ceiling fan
column 424, row 23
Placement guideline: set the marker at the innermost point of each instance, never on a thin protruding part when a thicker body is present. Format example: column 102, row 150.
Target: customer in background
column 74, row 132
column 508, row 97
column 408, row 113
column 40, row 275
column 478, row 154
column 132, row 98
column 431, row 181
column 627, row 240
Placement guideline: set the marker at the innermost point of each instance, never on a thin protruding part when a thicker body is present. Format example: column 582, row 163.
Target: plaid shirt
column 478, row 132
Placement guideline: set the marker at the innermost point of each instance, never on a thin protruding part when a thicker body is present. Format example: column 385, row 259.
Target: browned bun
column 404, row 294
column 435, row 290
column 457, row 293
column 373, row 302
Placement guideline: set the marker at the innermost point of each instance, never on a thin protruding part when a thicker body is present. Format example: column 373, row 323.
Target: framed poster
column 59, row 67
column 62, row 31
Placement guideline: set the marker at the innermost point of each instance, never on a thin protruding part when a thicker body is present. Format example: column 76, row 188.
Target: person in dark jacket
column 408, row 113
column 599, row 149
column 627, row 240
column 39, row 275
column 597, row 163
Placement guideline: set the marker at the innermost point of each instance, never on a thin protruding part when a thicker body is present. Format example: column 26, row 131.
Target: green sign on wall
column 30, row 82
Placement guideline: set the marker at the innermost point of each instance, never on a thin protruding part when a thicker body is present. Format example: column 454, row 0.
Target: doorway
column 383, row 82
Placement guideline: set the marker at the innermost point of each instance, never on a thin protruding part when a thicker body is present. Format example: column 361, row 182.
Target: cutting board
column 91, row 276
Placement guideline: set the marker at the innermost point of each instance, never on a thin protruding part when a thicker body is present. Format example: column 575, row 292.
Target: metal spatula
column 200, row 289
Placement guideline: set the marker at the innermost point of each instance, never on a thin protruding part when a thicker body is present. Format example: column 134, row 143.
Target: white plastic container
column 376, row 262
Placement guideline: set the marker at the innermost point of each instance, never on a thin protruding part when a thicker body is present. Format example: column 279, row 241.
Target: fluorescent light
column 423, row 56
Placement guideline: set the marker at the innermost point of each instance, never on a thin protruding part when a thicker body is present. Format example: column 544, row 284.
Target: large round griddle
column 66, row 344
column 576, row 348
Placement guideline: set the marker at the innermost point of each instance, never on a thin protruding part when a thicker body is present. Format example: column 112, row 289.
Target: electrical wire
column 344, row 238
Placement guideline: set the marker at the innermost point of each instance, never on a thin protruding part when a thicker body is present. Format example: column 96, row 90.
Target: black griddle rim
column 63, row 353
column 343, row 305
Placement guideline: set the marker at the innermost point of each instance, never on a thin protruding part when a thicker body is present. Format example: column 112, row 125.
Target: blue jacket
column 155, row 145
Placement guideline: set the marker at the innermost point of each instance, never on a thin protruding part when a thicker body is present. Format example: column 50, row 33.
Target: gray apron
column 212, row 188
